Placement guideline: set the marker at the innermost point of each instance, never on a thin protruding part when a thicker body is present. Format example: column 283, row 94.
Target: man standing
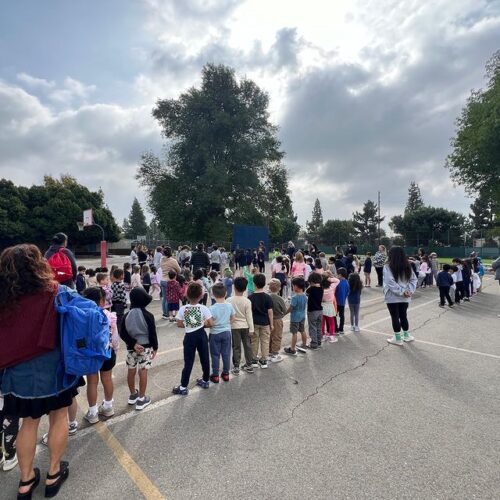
column 62, row 260
column 200, row 259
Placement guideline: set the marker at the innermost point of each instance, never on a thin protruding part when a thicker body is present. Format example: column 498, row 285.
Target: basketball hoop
column 80, row 226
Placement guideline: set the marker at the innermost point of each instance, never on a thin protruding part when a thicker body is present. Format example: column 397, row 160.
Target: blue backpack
column 84, row 332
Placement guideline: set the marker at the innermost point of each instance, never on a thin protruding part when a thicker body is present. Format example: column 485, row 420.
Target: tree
column 475, row 159
column 483, row 213
column 430, row 225
column 223, row 164
column 35, row 214
column 314, row 227
column 137, row 225
column 415, row 200
column 366, row 223
column 337, row 232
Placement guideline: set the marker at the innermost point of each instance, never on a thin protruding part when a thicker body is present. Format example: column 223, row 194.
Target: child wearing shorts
column 138, row 331
column 297, row 312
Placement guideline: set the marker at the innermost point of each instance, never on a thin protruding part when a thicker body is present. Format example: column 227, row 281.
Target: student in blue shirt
column 223, row 314
column 341, row 293
column 297, row 312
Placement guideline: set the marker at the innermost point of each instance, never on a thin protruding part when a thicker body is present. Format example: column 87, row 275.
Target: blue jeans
column 220, row 345
column 164, row 304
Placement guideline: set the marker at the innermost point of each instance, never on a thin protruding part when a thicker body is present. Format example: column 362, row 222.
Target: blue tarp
column 249, row 236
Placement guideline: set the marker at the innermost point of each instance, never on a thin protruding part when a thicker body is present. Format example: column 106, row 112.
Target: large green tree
column 415, row 200
column 315, row 224
column 337, row 232
column 475, row 159
column 223, row 162
column 136, row 224
column 366, row 223
column 35, row 214
column 430, row 225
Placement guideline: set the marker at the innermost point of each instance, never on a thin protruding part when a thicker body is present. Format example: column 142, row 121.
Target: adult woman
column 290, row 250
column 400, row 284
column 142, row 256
column 134, row 260
column 167, row 264
column 157, row 257
column 30, row 359
column 378, row 263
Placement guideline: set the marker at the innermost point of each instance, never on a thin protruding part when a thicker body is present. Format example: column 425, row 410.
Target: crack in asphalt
column 428, row 320
column 319, row 387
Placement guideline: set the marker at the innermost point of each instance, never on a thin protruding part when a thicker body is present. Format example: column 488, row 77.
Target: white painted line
column 468, row 351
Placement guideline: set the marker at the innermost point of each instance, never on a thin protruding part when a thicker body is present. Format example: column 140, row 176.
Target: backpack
column 85, row 333
column 61, row 265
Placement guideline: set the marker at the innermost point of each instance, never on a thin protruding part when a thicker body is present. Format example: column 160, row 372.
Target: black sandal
column 32, row 482
column 51, row 490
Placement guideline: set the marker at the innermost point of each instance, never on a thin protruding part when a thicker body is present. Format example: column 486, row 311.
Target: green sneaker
column 395, row 339
column 407, row 337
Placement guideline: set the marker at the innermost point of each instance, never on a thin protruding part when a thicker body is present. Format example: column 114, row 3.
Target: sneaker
column 408, row 338
column 255, row 363
column 10, row 463
column 340, row 332
column 184, row 391
column 394, row 340
column 91, row 418
column 248, row 368
column 132, row 399
column 263, row 364
column 313, row 347
column 236, row 370
column 72, row 428
column 352, row 328
column 357, row 329
column 105, row 412
column 333, row 339
column 225, row 377
column 215, row 379
column 302, row 348
column 288, row 350
column 204, row 384
column 276, row 358
column 165, row 316
column 45, row 439
column 441, row 305
column 466, row 299
column 451, row 305
column 142, row 403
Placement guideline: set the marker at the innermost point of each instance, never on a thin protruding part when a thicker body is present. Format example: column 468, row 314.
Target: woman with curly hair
column 30, row 359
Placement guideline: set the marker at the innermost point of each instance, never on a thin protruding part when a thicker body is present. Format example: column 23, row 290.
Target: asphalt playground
column 359, row 419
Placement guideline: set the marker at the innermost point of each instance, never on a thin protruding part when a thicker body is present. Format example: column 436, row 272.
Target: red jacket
column 29, row 329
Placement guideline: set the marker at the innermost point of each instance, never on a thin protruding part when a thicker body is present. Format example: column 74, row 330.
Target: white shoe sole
column 10, row 464
column 411, row 339
column 395, row 342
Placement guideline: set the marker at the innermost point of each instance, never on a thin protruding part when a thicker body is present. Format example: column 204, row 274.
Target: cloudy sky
column 365, row 91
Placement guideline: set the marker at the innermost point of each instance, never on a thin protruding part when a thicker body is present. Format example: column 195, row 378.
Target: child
column 91, row 280
column 249, row 277
column 341, row 293
column 105, row 409
column 119, row 295
column 262, row 310
column 80, row 280
column 186, row 272
column 127, row 277
column 318, row 266
column 173, row 295
column 314, row 309
column 135, row 280
column 242, row 328
column 444, row 280
column 183, row 289
column 354, row 298
column 146, row 278
column 297, row 312
column 213, row 278
column 458, row 280
column 194, row 317
column 223, row 314
column 9, row 428
column 367, row 269
column 280, row 309
column 329, row 284
column 298, row 266
column 324, row 263
column 228, row 281
column 103, row 282
column 155, row 283
column 138, row 331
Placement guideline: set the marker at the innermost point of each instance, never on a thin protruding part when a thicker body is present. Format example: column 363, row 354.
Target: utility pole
column 378, row 203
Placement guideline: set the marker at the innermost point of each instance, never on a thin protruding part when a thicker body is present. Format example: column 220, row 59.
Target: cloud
column 32, row 81
column 99, row 144
column 71, row 90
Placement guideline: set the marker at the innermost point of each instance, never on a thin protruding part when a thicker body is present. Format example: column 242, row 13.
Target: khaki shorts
column 140, row 360
column 298, row 326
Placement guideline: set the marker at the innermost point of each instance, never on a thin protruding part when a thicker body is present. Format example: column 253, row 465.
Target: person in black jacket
column 138, row 331
column 60, row 240
column 200, row 258
column 444, row 281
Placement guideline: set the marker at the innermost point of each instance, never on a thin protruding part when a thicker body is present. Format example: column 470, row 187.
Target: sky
column 365, row 92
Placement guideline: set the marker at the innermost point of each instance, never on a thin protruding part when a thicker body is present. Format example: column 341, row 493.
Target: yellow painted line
column 143, row 483
column 162, row 353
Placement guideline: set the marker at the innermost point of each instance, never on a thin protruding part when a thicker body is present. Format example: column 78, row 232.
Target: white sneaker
column 356, row 329
column 10, row 463
column 394, row 341
column 409, row 338
column 276, row 358
column 333, row 339
column 91, row 418
column 352, row 329
column 105, row 412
